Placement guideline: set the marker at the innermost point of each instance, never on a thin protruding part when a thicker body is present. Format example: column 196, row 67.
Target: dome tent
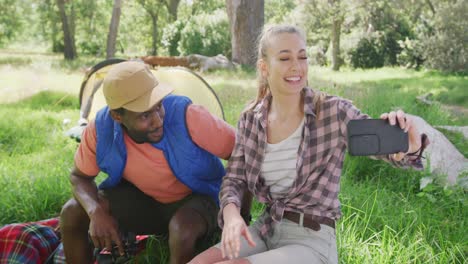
column 184, row 81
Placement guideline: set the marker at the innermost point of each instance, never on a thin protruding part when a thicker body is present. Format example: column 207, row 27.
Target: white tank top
column 279, row 165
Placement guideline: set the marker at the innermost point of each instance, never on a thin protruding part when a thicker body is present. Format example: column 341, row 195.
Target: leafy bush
column 446, row 47
column 171, row 37
column 206, row 34
column 317, row 55
column 412, row 54
column 92, row 47
column 368, row 53
column 399, row 30
column 383, row 26
column 11, row 21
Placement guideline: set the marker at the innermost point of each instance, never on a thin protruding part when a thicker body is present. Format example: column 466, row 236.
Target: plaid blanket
column 31, row 242
column 39, row 242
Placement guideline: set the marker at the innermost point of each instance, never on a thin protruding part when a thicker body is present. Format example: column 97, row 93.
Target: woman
column 289, row 153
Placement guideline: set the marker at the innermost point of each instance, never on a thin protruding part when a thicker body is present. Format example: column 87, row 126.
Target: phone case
column 375, row 137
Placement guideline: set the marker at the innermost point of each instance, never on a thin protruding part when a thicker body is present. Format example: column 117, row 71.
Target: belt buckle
column 301, row 219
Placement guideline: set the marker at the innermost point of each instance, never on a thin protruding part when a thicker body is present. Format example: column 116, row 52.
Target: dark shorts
column 139, row 213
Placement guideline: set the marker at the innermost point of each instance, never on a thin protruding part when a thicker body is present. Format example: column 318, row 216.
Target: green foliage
column 49, row 25
column 449, row 88
column 15, row 61
column 412, row 54
column 10, row 22
column 317, row 56
column 384, row 28
column 391, row 47
column 134, row 37
column 316, row 17
column 171, row 37
column 407, row 33
column 206, row 34
column 368, row 53
column 458, row 140
column 92, row 29
column 392, row 26
column 89, row 21
column 90, row 47
column 35, row 157
column 435, row 193
column 398, row 226
column 277, row 10
column 446, row 48
column 191, row 8
column 386, row 88
column 48, row 101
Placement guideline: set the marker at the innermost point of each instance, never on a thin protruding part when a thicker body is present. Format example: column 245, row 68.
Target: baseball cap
column 132, row 86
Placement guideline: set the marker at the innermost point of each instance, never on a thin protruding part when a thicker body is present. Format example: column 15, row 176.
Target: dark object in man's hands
column 375, row 137
column 113, row 256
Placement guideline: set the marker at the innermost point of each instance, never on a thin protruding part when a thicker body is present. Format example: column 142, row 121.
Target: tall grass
column 35, row 157
column 386, row 218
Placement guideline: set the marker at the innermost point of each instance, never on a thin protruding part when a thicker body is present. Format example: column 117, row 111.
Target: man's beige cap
column 132, row 86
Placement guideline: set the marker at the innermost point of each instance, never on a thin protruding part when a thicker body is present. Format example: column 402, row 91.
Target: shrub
column 206, row 34
column 398, row 31
column 412, row 54
column 90, row 47
column 368, row 53
column 171, row 37
column 317, row 55
column 445, row 49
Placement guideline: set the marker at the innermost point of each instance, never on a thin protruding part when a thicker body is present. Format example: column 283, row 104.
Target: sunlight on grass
column 349, row 76
column 16, row 84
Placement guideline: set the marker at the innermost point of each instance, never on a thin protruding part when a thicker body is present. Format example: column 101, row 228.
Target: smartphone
column 375, row 137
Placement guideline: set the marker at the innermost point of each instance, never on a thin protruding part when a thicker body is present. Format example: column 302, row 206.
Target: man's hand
column 103, row 230
column 405, row 123
column 234, row 228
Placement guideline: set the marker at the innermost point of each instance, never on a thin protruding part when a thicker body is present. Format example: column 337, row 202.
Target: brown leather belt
column 310, row 221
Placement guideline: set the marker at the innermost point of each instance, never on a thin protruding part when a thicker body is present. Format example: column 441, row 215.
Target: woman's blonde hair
column 263, row 43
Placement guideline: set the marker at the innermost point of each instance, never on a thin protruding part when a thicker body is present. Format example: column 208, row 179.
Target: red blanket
column 31, row 242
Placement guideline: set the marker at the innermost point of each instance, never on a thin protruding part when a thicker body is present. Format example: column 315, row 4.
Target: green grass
column 398, row 83
column 457, row 139
column 386, row 218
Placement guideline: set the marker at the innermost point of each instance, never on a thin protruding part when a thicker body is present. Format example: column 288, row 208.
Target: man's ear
column 117, row 117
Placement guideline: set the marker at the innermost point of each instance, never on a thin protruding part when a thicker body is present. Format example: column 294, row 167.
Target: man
column 160, row 153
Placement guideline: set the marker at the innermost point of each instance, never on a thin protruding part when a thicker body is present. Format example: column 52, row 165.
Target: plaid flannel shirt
column 319, row 164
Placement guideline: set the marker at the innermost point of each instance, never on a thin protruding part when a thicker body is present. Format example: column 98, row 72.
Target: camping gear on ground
column 133, row 244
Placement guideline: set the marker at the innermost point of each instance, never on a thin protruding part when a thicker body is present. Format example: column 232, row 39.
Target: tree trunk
column 57, row 45
column 172, row 7
column 246, row 18
column 336, row 58
column 431, row 6
column 71, row 19
column 154, row 44
column 335, row 34
column 68, row 38
column 113, row 29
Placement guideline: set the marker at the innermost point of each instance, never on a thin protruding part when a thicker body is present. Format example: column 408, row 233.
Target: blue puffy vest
column 198, row 169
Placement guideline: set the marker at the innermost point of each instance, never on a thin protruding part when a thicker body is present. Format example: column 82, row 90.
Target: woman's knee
column 209, row 256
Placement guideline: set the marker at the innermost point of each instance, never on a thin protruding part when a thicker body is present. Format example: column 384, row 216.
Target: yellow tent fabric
column 184, row 81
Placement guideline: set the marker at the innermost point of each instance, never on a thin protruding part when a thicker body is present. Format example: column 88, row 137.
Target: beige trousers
column 290, row 244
